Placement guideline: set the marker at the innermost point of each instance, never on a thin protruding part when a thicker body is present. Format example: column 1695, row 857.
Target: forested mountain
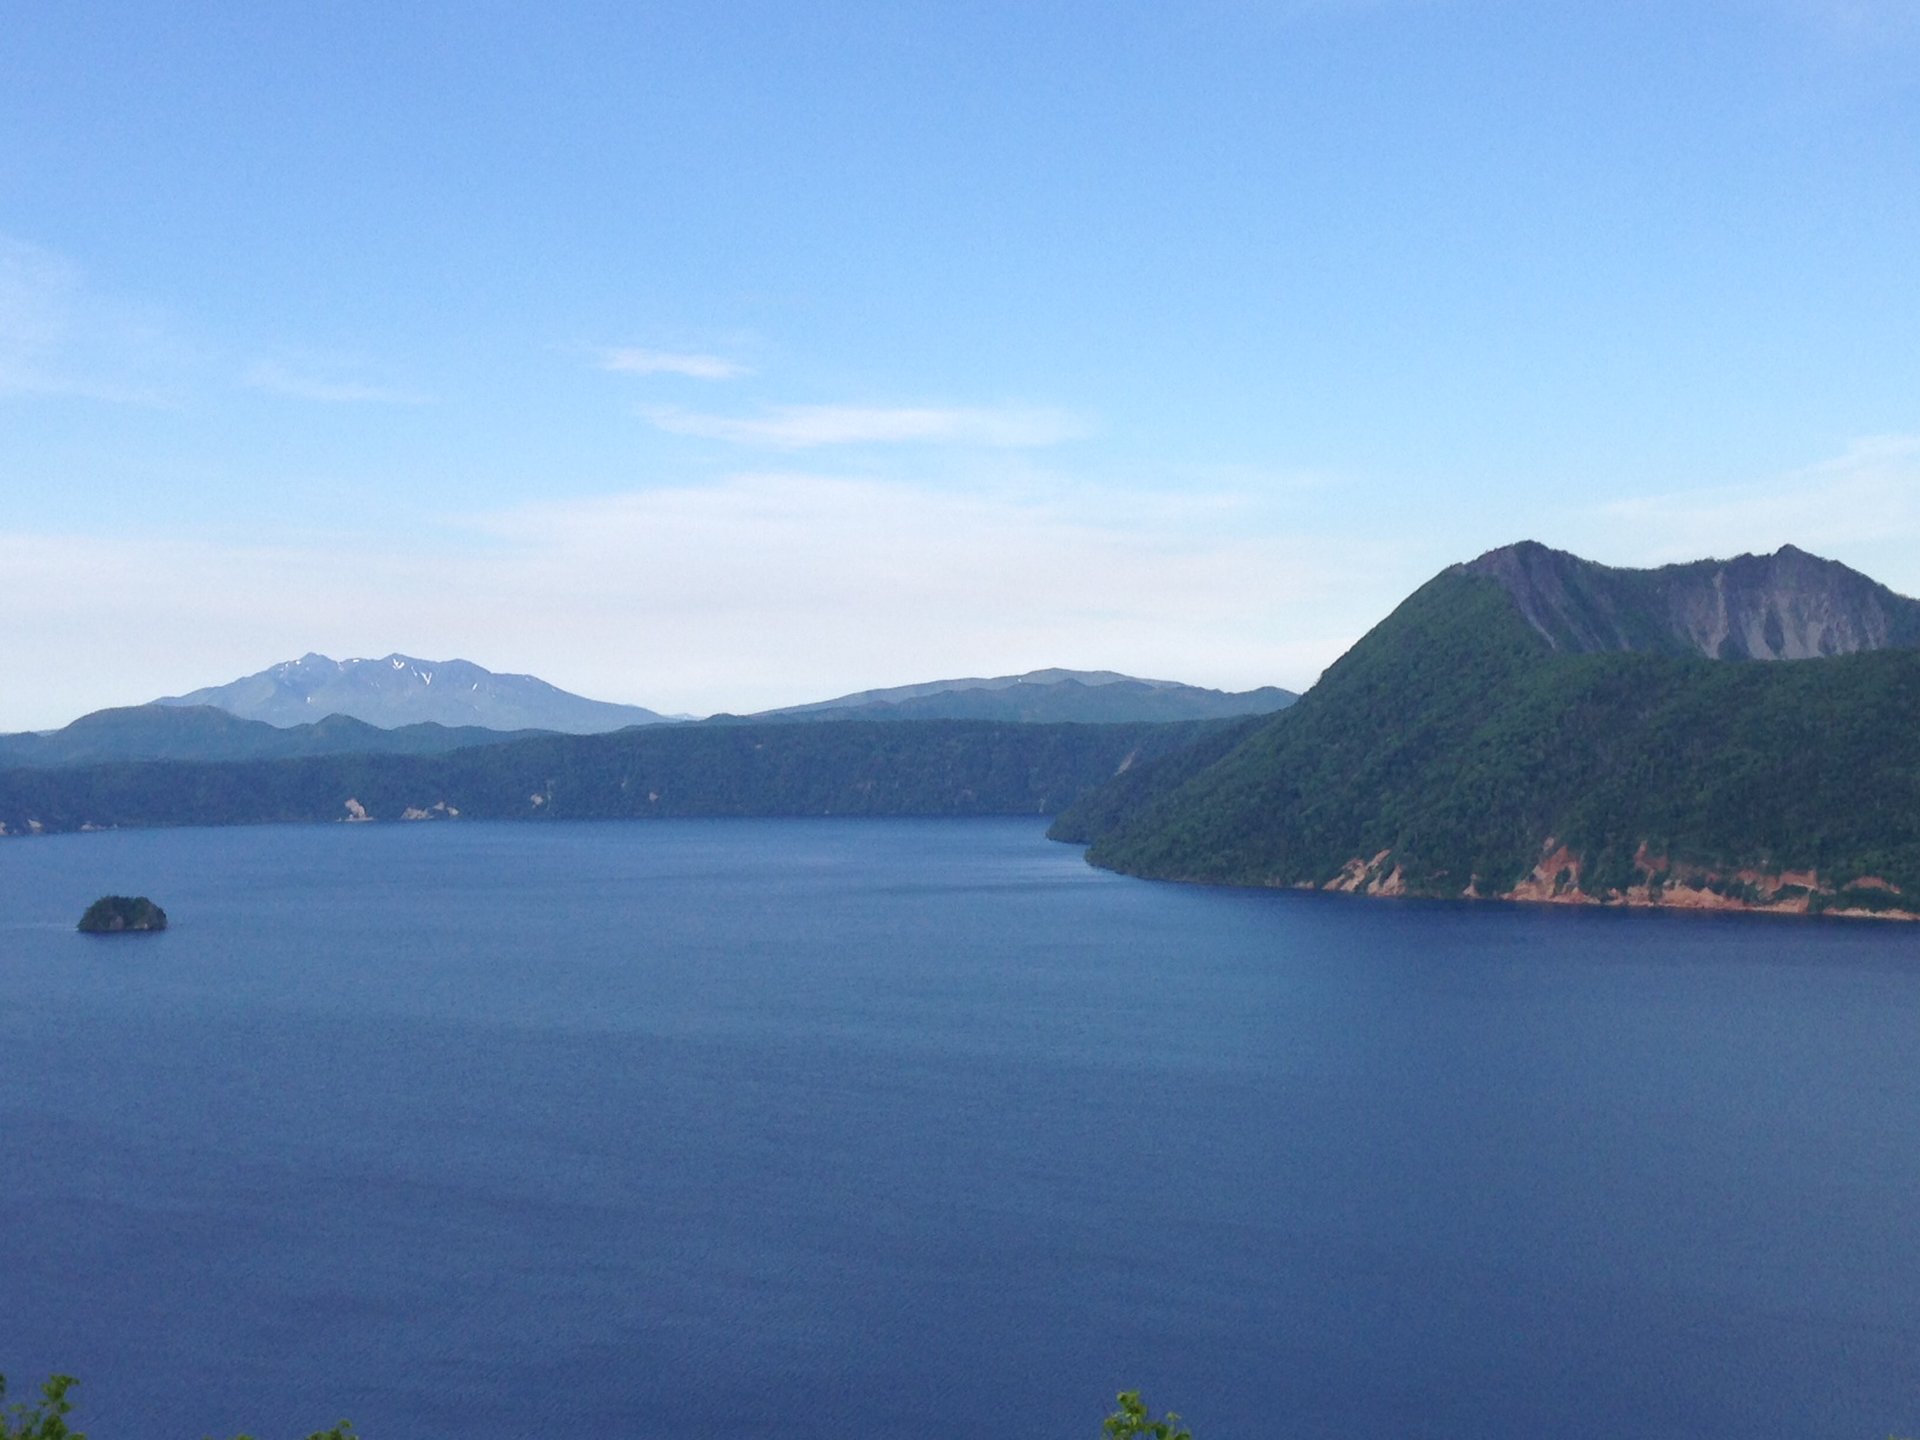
column 400, row 690
column 202, row 732
column 1526, row 727
column 1044, row 696
column 934, row 767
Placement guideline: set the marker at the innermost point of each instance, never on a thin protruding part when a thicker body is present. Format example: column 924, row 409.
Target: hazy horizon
column 891, row 686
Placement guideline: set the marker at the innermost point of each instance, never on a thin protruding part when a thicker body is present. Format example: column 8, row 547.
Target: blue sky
column 722, row 356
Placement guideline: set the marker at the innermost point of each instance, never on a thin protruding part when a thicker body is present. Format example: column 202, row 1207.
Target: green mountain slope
column 1454, row 751
column 203, row 732
column 1138, row 785
column 1098, row 697
column 853, row 768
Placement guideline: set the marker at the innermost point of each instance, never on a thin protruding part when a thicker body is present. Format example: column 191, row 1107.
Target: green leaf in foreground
column 45, row 1420
column 1133, row 1420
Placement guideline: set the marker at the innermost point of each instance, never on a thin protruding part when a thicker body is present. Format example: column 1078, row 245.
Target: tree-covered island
column 122, row 914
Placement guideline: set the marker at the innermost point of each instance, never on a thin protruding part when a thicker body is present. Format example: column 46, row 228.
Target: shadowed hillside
column 856, row 768
column 204, row 732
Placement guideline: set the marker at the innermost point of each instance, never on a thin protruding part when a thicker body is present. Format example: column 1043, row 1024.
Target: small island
column 121, row 914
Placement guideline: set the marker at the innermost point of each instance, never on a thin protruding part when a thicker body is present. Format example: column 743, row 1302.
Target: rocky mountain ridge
column 1789, row 605
column 397, row 690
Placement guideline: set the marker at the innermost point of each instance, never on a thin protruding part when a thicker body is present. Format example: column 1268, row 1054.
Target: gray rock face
column 400, row 690
column 1786, row 606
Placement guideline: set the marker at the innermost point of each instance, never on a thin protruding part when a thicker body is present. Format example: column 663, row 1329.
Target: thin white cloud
column 61, row 337
column 35, row 291
column 1856, row 22
column 632, row 360
column 802, row 427
column 279, row 379
column 1861, row 506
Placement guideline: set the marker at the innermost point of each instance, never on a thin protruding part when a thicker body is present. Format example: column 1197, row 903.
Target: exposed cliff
column 1562, row 877
column 1785, row 606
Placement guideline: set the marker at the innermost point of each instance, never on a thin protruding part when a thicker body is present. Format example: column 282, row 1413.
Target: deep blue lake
column 924, row 1129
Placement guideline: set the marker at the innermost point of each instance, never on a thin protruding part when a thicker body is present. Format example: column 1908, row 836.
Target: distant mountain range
column 316, row 706
column 1043, row 696
column 398, row 690
column 201, row 732
column 1531, row 725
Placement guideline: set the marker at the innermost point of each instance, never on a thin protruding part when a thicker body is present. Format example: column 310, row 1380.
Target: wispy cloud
column 277, row 378
column 801, row 427
column 633, row 360
column 1859, row 21
column 61, row 336
column 1861, row 506
column 758, row 590
column 780, row 583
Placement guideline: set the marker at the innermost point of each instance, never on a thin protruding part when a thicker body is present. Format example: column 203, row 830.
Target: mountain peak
column 1790, row 605
column 397, row 690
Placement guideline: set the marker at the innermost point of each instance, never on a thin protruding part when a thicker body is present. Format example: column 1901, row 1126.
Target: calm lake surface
column 875, row 1129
